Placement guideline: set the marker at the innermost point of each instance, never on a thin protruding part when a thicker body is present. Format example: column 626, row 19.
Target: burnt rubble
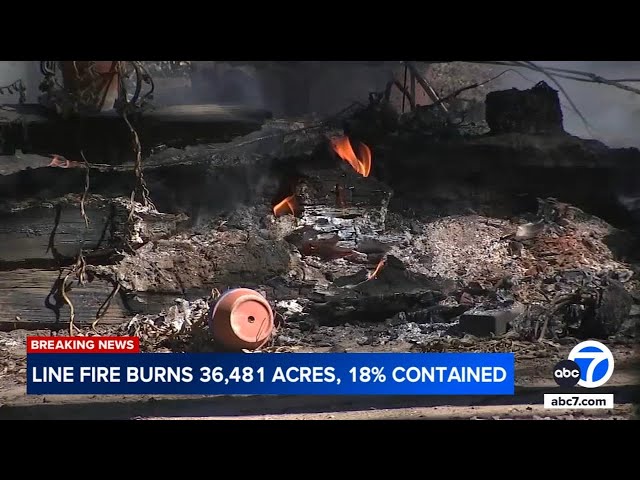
column 534, row 111
column 511, row 228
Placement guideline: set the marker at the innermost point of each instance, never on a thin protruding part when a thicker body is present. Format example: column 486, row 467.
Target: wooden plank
column 106, row 138
column 47, row 234
column 26, row 301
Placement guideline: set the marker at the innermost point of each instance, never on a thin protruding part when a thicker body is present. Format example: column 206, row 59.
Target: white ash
column 358, row 336
column 459, row 247
column 289, row 308
column 8, row 342
column 418, row 334
column 177, row 319
column 477, row 248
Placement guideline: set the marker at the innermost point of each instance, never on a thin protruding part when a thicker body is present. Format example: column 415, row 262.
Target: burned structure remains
column 368, row 229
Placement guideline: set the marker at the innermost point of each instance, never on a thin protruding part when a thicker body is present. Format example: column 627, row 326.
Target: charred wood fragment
column 338, row 204
column 53, row 233
column 533, row 111
column 105, row 138
column 31, row 299
column 364, row 298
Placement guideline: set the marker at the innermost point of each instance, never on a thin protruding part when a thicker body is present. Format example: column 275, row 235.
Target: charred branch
column 425, row 85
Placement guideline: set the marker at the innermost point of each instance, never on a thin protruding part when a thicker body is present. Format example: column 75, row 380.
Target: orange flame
column 375, row 273
column 288, row 205
column 361, row 162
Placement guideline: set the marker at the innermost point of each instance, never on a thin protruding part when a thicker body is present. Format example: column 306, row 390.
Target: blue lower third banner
column 271, row 374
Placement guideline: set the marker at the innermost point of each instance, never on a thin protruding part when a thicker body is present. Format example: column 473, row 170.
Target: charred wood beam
column 53, row 233
column 31, row 299
column 426, row 86
column 412, row 87
column 393, row 290
column 105, row 137
column 406, row 94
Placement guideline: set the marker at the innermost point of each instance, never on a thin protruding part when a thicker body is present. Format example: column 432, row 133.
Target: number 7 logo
column 592, row 376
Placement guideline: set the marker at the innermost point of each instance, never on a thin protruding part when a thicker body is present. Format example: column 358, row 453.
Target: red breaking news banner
column 83, row 345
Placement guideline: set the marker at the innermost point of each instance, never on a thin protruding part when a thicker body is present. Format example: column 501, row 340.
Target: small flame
column 361, row 162
column 375, row 273
column 288, row 205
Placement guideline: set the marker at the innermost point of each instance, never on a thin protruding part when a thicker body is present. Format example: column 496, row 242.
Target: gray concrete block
column 484, row 323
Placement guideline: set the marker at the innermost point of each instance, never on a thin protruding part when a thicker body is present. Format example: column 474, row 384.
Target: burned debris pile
column 537, row 112
column 364, row 231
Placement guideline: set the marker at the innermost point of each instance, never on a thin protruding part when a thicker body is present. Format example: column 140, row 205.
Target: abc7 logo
column 590, row 365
